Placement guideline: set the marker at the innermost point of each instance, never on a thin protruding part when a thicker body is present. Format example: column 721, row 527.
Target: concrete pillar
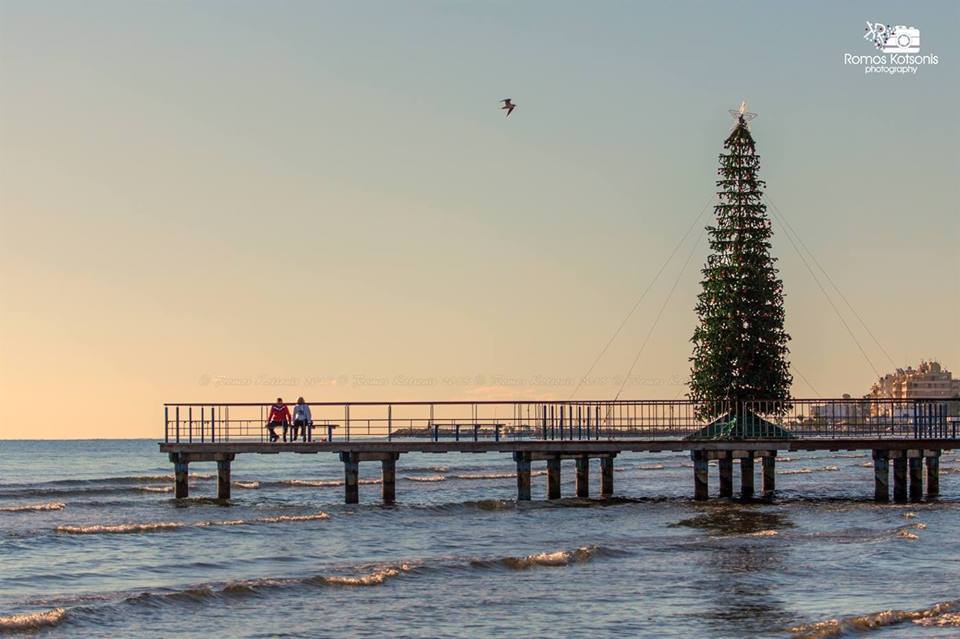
column 606, row 476
column 523, row 476
column 389, row 475
column 553, row 478
column 583, row 476
column 701, row 487
column 916, row 477
column 223, row 479
column 881, row 476
column 181, row 489
column 769, row 477
column 351, row 478
column 746, row 476
column 933, row 475
column 899, row 476
column 726, row 475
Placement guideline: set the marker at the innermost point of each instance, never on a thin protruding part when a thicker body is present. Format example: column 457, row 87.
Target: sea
column 92, row 544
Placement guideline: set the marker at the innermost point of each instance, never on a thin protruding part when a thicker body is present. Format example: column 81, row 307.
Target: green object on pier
column 741, row 426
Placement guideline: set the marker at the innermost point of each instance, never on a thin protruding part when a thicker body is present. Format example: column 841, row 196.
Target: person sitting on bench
column 302, row 420
column 279, row 416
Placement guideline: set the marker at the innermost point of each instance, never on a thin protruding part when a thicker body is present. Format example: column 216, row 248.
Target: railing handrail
column 557, row 402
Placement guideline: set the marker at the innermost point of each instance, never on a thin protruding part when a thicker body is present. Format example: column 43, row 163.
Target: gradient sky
column 322, row 198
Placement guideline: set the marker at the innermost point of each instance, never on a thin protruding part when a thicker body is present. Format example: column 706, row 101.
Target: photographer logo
column 897, row 46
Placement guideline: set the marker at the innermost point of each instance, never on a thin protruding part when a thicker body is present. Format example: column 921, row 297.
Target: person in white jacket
column 302, row 421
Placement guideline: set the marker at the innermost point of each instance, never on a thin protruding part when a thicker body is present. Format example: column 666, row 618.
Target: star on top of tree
column 741, row 114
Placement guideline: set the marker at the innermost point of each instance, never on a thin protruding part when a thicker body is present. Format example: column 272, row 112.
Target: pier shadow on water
column 741, row 565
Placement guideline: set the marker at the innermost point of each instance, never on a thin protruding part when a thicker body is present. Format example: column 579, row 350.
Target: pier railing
column 922, row 418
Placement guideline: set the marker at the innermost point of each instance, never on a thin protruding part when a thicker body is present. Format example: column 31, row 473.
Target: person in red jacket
column 279, row 416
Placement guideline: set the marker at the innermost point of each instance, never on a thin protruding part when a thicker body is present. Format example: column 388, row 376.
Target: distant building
column 928, row 380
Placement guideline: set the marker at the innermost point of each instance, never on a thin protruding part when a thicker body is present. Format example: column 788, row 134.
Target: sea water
column 92, row 544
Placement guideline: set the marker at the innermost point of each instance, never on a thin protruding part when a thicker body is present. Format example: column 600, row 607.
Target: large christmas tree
column 740, row 347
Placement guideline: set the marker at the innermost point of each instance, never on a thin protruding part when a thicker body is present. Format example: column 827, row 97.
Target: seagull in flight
column 509, row 106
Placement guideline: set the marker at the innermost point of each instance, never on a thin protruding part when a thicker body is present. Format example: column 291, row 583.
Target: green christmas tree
column 740, row 347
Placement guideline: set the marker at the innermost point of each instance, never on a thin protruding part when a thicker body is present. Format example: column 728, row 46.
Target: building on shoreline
column 928, row 380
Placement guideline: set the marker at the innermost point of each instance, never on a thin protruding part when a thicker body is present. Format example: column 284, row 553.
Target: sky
column 230, row 201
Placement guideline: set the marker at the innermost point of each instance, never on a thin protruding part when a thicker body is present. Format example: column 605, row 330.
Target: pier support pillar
column 746, row 476
column 769, row 478
column 351, row 477
column 899, row 476
column 523, row 475
column 726, row 475
column 181, row 489
column 606, row 476
column 701, row 487
column 916, row 476
column 881, row 476
column 388, row 469
column 553, row 478
column 933, row 474
column 583, row 476
column 223, row 479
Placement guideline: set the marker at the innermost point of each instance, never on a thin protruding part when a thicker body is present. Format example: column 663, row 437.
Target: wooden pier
column 912, row 434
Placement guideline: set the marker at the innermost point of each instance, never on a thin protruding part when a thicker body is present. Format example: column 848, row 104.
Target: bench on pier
column 456, row 428
column 330, row 428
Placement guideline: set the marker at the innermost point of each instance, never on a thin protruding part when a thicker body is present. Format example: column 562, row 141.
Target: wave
column 248, row 485
column 556, row 558
column 323, row 483
column 118, row 529
column 33, row 621
column 128, row 479
column 285, row 518
column 54, row 505
column 807, row 471
column 374, row 578
column 494, row 475
column 115, row 529
column 651, row 467
column 357, row 576
column 426, row 478
column 156, row 489
column 937, row 614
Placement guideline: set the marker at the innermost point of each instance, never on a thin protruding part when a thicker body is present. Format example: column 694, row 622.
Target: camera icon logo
column 903, row 40
column 898, row 39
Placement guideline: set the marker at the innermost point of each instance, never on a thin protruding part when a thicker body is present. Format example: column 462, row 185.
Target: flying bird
column 508, row 105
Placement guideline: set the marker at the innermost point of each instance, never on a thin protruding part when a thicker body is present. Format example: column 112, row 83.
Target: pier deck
column 910, row 433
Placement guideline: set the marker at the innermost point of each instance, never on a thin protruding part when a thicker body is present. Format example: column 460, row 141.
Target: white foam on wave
column 248, row 485
column 53, row 505
column 425, row 478
column 807, row 471
column 469, row 476
column 324, row 483
column 157, row 489
column 940, row 614
column 33, row 621
column 285, row 518
column 555, row 558
column 374, row 578
column 116, row 529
